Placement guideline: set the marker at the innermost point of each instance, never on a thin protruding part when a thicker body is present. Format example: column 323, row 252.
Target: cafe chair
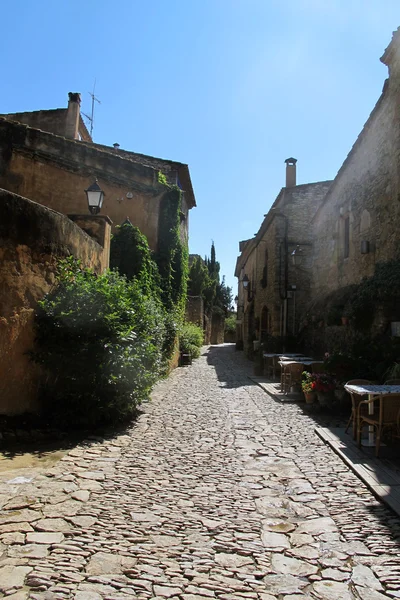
column 355, row 401
column 292, row 377
column 385, row 417
column 392, row 382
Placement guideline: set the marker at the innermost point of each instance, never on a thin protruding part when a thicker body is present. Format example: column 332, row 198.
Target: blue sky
column 231, row 87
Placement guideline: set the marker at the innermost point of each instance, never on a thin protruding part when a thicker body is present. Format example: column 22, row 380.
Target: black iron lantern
column 245, row 281
column 297, row 256
column 95, row 197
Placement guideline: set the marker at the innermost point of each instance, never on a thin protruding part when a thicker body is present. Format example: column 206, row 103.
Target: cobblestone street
column 217, row 491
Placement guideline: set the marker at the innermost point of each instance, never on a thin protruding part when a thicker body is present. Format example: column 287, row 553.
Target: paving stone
column 28, row 551
column 12, row 576
column 81, row 495
column 363, row 576
column 216, row 492
column 331, row 590
column 293, row 566
column 46, row 537
column 103, row 563
column 232, row 560
column 59, row 525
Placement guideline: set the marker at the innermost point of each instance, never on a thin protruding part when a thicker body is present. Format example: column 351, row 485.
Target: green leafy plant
column 131, row 256
column 191, row 339
column 307, row 380
column 230, row 323
column 99, row 340
column 172, row 255
column 162, row 178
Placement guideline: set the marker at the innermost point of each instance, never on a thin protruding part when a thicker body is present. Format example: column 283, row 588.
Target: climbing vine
column 131, row 256
column 172, row 254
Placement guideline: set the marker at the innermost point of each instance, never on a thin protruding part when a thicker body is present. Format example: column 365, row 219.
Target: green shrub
column 230, row 323
column 191, row 339
column 99, row 339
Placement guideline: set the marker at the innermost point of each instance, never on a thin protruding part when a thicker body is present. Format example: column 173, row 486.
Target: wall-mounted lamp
column 95, row 197
column 297, row 256
column 245, row 282
column 365, row 247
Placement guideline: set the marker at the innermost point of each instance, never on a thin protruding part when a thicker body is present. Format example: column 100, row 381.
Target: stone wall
column 217, row 328
column 195, row 310
column 32, row 238
column 278, row 291
column 366, row 192
column 55, row 171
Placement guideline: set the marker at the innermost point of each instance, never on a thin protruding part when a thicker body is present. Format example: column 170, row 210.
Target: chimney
column 73, row 113
column 291, row 172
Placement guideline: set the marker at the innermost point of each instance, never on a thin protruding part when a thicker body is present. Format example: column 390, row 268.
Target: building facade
column 320, row 241
column 275, row 267
column 47, row 156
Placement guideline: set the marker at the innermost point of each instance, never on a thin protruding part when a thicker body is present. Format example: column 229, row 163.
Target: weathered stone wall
column 32, row 238
column 277, row 287
column 55, row 171
column 366, row 190
column 217, row 328
column 53, row 121
column 195, row 310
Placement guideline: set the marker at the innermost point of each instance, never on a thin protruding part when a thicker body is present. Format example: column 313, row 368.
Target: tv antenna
column 91, row 117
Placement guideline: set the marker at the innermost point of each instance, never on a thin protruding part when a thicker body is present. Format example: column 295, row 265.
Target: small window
column 346, row 239
column 264, row 280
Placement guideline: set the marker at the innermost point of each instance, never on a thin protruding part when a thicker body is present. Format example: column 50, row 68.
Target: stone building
column 341, row 230
column 358, row 223
column 32, row 239
column 273, row 290
column 47, row 161
column 48, row 156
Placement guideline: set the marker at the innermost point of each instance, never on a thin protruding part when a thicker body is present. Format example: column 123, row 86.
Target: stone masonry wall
column 32, row 238
column 285, row 228
column 55, row 171
column 195, row 310
column 367, row 191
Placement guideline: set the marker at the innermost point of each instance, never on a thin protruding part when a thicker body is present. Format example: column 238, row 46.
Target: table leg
column 370, row 443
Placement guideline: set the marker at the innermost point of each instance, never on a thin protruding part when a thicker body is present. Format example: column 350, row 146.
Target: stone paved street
column 217, row 491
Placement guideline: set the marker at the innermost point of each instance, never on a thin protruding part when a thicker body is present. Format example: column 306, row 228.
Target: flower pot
column 345, row 320
column 310, row 397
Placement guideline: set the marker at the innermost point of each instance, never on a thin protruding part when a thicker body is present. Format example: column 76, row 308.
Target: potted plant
column 324, row 384
column 307, row 380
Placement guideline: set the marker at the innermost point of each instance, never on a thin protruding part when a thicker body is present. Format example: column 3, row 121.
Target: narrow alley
column 217, row 491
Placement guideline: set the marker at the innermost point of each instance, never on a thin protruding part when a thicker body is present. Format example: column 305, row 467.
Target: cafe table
column 286, row 361
column 371, row 391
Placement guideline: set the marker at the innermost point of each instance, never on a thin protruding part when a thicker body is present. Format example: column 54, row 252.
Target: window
column 346, row 238
column 264, row 280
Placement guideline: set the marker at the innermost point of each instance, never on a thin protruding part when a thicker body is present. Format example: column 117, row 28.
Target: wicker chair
column 385, row 418
column 292, row 376
column 355, row 401
column 392, row 382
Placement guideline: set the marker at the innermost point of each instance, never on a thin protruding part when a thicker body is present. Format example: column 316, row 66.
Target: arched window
column 264, row 280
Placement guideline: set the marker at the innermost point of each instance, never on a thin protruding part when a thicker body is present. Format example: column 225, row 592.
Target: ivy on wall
column 131, row 255
column 172, row 253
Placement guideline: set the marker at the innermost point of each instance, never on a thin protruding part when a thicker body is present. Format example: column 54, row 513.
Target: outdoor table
column 371, row 391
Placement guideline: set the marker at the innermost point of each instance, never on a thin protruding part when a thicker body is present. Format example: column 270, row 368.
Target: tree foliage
column 99, row 339
column 191, row 339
